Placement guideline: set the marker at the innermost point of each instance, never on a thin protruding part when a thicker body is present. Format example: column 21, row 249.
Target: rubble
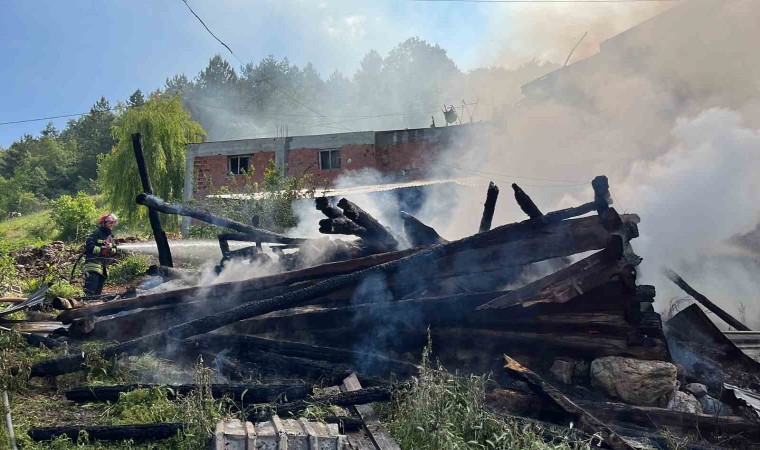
column 584, row 343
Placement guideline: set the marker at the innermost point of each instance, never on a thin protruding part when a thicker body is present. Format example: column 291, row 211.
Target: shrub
column 128, row 268
column 74, row 216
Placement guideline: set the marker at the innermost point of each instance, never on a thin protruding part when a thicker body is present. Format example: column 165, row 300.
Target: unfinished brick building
column 400, row 155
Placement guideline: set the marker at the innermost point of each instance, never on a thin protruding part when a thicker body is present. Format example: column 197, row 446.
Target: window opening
column 329, row 159
column 238, row 164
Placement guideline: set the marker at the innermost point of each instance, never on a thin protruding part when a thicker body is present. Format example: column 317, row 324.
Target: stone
column 684, row 402
column 698, row 390
column 562, row 370
column 715, row 407
column 634, row 381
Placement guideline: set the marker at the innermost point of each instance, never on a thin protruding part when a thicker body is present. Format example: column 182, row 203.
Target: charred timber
column 582, row 419
column 249, row 393
column 715, row 309
column 489, row 207
column 526, row 203
column 360, row 397
column 342, row 225
column 572, row 281
column 330, row 211
column 417, row 233
column 156, row 204
column 137, row 433
column 224, row 289
column 376, row 232
column 410, row 263
column 373, row 363
column 162, row 243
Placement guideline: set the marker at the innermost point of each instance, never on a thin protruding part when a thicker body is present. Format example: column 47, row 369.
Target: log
column 378, row 434
column 224, row 289
column 582, row 419
column 12, row 299
column 602, row 198
column 658, row 418
column 156, row 204
column 360, row 397
column 526, row 203
column 715, row 309
column 419, row 234
column 342, row 225
column 413, row 262
column 489, row 207
column 162, row 243
column 377, row 234
column 137, row 433
column 566, row 284
column 371, row 362
column 248, row 393
column 330, row 211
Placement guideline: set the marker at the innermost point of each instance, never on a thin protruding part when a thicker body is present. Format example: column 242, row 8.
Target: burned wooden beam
column 602, row 197
column 137, row 433
column 372, row 363
column 330, row 211
column 360, row 397
column 576, row 279
column 155, row 203
column 526, row 203
column 715, row 309
column 419, row 234
column 583, row 420
column 659, row 418
column 249, row 393
column 224, row 289
column 411, row 263
column 489, row 207
column 342, row 225
column 377, row 234
column 162, row 243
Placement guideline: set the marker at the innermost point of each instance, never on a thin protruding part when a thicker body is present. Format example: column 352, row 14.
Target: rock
column 634, row 381
column 698, row 390
column 715, row 407
column 562, row 370
column 684, row 402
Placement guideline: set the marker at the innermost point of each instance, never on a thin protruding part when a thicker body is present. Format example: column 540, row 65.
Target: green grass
column 32, row 229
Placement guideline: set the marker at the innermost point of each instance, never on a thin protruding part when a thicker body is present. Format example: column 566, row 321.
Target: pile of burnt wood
column 565, row 342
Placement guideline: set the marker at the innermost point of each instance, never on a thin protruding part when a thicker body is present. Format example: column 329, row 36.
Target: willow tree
column 166, row 128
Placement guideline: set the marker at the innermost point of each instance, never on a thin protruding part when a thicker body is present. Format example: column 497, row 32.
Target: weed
column 127, row 269
column 444, row 411
column 63, row 289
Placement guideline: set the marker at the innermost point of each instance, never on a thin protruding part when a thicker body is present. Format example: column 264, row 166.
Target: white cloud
column 348, row 27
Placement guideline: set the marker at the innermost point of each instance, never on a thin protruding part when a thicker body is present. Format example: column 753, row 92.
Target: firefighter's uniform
column 100, row 248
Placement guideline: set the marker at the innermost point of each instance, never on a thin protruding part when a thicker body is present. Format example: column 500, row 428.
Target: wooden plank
column 137, row 433
column 492, row 195
column 379, row 435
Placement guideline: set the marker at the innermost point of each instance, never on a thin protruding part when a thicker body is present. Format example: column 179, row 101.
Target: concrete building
column 401, row 155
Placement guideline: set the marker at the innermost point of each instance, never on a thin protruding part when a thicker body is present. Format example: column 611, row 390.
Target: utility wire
column 277, row 88
column 506, row 175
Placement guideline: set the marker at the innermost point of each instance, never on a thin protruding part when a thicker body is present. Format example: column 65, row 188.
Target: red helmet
column 107, row 219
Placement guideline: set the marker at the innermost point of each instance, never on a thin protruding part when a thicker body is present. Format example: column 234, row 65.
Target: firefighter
column 100, row 248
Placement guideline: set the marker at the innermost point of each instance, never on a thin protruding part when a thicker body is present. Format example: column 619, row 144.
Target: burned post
column 162, row 243
column 489, row 207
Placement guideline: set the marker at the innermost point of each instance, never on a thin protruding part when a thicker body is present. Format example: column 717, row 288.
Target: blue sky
column 59, row 57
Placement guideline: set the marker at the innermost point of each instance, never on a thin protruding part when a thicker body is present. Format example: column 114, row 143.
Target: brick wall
column 306, row 161
column 212, row 171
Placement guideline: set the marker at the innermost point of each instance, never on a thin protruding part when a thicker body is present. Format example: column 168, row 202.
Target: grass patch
column 445, row 411
column 128, row 269
column 31, row 229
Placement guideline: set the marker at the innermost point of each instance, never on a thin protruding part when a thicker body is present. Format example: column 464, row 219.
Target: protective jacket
column 100, row 248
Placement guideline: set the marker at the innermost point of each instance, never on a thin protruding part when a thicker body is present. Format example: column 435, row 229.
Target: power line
column 277, row 88
column 506, row 175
